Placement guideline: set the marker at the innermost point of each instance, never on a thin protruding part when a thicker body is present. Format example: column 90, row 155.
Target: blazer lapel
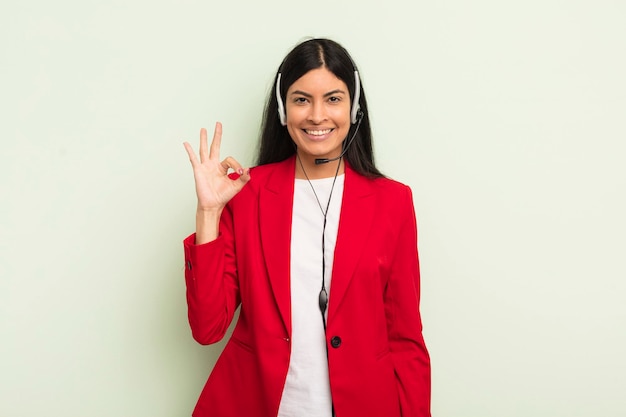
column 275, row 212
column 355, row 222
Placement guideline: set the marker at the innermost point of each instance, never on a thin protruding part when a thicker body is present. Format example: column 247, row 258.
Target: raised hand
column 214, row 185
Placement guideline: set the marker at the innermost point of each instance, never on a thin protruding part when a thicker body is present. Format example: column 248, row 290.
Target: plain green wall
column 506, row 118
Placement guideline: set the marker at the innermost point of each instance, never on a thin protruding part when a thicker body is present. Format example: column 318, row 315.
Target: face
column 318, row 114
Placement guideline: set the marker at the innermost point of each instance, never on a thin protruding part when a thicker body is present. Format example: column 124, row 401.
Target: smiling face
column 318, row 114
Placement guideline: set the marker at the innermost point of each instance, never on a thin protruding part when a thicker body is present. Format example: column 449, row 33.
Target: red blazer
column 378, row 363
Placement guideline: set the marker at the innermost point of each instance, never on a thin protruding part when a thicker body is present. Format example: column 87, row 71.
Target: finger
column 190, row 152
column 232, row 163
column 204, row 154
column 239, row 173
column 217, row 141
column 240, row 178
column 245, row 176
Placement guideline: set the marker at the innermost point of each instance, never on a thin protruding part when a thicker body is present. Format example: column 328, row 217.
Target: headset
column 355, row 113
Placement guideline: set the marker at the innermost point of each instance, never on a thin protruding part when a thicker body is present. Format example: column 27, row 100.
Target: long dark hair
column 276, row 144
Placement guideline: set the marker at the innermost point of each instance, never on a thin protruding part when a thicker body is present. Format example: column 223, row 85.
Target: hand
column 214, row 186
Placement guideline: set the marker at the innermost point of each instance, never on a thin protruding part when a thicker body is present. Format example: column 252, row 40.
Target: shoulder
column 275, row 178
column 391, row 199
column 276, row 174
column 376, row 184
column 262, row 172
column 384, row 186
column 390, row 185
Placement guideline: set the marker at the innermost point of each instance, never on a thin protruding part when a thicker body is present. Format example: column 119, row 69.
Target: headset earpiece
column 356, row 108
column 281, row 107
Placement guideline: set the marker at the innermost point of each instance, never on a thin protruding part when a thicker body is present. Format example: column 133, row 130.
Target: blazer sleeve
column 212, row 285
column 410, row 356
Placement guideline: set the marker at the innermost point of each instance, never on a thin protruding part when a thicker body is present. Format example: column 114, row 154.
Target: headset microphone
column 359, row 117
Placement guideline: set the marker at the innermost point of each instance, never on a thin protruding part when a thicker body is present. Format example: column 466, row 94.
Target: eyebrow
column 330, row 93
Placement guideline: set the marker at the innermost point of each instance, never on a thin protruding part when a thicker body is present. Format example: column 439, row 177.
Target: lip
column 318, row 134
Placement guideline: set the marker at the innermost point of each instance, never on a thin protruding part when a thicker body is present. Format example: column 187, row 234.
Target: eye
column 334, row 99
column 300, row 100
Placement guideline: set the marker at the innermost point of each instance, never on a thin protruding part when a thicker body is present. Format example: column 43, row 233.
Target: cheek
column 292, row 131
column 341, row 116
column 295, row 112
column 294, row 119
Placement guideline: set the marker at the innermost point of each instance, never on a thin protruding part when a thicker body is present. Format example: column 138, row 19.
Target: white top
column 307, row 388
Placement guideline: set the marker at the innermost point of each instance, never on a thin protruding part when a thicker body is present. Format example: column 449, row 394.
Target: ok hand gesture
column 214, row 185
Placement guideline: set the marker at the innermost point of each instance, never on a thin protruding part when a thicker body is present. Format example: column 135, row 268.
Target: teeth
column 318, row 132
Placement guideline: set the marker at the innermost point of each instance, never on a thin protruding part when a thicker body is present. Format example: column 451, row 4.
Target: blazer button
column 335, row 342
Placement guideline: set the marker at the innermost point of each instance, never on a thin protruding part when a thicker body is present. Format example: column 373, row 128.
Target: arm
column 210, row 274
column 409, row 353
column 212, row 286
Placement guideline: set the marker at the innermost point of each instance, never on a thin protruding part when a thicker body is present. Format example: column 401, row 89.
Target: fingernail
column 240, row 171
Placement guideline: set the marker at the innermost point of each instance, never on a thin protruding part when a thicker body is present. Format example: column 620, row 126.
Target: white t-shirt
column 307, row 388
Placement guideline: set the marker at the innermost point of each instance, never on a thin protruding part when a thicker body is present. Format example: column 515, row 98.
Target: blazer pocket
column 245, row 346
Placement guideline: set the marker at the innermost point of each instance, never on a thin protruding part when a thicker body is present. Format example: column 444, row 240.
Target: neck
column 317, row 171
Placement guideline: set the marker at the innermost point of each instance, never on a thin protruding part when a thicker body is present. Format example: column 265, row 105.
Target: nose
column 317, row 113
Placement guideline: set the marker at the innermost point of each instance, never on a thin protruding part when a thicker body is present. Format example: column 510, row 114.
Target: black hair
column 276, row 144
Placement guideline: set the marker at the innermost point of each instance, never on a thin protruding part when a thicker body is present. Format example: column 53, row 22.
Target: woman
column 271, row 240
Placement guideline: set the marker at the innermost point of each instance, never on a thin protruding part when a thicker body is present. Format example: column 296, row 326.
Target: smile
column 318, row 132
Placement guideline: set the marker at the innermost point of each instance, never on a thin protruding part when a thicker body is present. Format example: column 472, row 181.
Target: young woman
column 318, row 250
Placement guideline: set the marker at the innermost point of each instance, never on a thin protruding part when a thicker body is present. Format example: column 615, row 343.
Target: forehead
column 318, row 80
